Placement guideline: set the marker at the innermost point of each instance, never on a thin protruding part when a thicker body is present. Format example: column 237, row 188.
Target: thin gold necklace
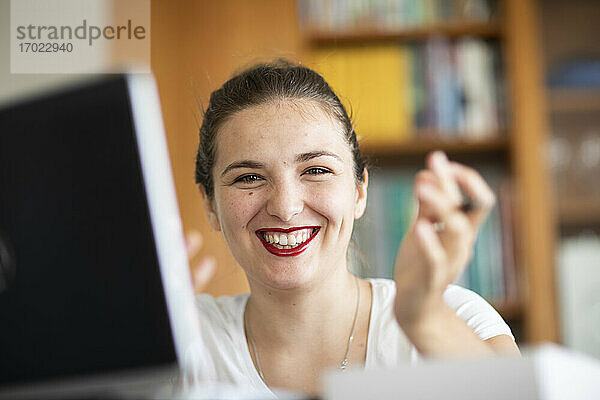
column 343, row 365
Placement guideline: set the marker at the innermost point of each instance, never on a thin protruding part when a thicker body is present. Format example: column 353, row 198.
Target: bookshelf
column 572, row 62
column 372, row 34
column 565, row 100
column 204, row 42
column 579, row 211
column 574, row 106
column 515, row 147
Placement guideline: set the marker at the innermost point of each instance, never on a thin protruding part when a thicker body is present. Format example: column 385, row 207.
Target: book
column 374, row 82
column 476, row 70
column 505, row 208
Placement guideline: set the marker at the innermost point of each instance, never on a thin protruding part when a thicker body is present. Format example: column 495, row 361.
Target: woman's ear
column 361, row 197
column 213, row 219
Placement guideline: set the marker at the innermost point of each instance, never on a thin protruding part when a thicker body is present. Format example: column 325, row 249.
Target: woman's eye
column 317, row 171
column 250, row 178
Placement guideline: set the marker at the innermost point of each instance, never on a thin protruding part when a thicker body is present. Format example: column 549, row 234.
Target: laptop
column 545, row 372
column 95, row 292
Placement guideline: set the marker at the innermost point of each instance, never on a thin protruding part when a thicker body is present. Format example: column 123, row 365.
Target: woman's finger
column 430, row 245
column 478, row 191
column 434, row 203
column 202, row 272
column 458, row 230
column 439, row 164
column 193, row 243
column 424, row 176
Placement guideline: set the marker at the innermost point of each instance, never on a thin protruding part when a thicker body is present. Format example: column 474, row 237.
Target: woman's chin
column 288, row 278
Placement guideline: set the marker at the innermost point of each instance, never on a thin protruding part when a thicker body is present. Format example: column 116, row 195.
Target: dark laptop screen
column 80, row 287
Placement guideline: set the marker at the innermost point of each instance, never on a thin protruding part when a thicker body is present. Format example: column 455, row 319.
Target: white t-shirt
column 226, row 357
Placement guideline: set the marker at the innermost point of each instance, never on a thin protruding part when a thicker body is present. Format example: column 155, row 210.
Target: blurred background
column 511, row 87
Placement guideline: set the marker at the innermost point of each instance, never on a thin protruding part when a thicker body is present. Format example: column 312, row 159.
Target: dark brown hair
column 263, row 83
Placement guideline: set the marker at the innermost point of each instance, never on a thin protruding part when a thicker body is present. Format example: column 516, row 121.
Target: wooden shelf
column 573, row 100
column 413, row 151
column 423, row 144
column 579, row 210
column 510, row 310
column 369, row 34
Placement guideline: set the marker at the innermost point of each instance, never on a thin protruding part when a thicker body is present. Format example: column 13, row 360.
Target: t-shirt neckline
column 247, row 359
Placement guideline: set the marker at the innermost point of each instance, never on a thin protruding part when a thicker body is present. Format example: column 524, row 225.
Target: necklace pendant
column 344, row 364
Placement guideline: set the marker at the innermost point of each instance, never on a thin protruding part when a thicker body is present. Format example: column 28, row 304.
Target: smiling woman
column 283, row 179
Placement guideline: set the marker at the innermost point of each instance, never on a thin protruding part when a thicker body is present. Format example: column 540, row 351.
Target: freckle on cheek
column 250, row 194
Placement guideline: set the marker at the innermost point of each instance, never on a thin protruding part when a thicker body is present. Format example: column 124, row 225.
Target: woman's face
column 285, row 193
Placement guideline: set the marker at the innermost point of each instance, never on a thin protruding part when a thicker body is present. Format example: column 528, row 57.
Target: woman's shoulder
column 223, row 310
column 383, row 289
column 387, row 345
column 222, row 356
column 462, row 299
column 454, row 295
column 479, row 315
column 458, row 294
column 483, row 319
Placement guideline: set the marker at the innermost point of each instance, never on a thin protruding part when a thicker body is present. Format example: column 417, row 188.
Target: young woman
column 283, row 179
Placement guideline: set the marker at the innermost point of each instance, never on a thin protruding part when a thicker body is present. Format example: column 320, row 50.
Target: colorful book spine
column 507, row 224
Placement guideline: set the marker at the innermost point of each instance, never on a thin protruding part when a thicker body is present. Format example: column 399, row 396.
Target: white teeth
column 289, row 240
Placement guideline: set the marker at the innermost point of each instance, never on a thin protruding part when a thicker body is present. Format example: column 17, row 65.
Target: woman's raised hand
column 439, row 243
column 202, row 270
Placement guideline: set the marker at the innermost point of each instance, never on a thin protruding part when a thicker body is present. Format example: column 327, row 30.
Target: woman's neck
column 324, row 310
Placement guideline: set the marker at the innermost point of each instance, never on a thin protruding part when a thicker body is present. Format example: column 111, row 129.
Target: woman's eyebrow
column 300, row 158
column 242, row 164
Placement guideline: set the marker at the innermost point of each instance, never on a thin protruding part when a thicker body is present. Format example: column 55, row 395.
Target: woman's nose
column 285, row 201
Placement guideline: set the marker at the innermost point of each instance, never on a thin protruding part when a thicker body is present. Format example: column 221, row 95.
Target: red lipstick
column 287, row 252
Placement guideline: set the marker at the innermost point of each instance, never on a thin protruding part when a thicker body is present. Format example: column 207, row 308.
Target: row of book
column 390, row 211
column 347, row 15
column 452, row 88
